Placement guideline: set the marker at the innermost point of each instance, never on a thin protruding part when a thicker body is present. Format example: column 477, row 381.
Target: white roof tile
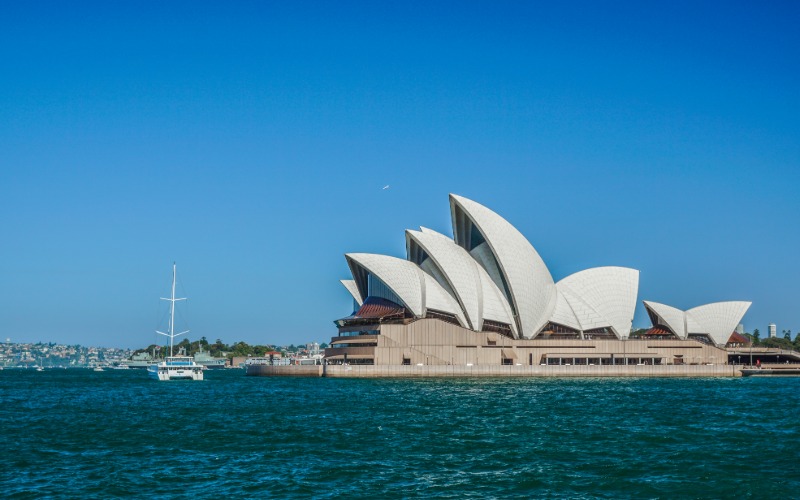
column 530, row 284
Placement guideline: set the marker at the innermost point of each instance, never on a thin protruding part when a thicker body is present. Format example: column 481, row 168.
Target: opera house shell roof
column 715, row 321
column 489, row 277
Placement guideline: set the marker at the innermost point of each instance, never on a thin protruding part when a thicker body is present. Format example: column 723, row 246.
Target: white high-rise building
column 773, row 330
column 740, row 329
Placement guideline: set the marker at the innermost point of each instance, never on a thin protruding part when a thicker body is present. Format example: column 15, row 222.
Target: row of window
column 602, row 361
column 359, row 332
column 359, row 361
column 367, row 344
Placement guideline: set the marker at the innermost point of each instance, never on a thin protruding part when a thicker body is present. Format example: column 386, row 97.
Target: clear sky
column 250, row 143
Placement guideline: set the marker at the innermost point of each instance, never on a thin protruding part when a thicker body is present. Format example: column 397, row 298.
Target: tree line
column 221, row 350
column 784, row 342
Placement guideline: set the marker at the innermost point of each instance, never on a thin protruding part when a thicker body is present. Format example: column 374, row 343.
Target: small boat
column 98, row 369
column 121, row 366
column 175, row 367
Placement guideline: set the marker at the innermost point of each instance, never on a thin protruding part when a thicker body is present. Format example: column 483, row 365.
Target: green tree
column 260, row 350
column 777, row 342
column 241, row 349
column 756, row 336
column 787, row 334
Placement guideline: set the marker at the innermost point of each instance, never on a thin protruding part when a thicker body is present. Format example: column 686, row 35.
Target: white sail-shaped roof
column 609, row 292
column 495, row 305
column 692, row 326
column 406, row 282
column 457, row 268
column 530, row 287
column 474, row 290
column 404, row 278
column 719, row 319
column 437, row 298
column 490, row 272
column 563, row 313
column 669, row 316
column 353, row 289
column 585, row 314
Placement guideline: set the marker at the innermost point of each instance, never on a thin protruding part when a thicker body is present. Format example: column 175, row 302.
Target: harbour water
column 77, row 433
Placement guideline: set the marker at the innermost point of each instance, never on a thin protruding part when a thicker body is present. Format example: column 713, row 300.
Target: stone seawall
column 284, row 371
column 402, row 371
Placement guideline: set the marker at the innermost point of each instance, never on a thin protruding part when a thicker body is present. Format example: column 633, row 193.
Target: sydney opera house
column 486, row 297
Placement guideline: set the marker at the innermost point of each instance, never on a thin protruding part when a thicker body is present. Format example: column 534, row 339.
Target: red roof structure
column 737, row 338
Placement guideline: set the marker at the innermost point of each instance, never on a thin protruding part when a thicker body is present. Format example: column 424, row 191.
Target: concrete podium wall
column 401, row 371
column 372, row 371
column 284, row 370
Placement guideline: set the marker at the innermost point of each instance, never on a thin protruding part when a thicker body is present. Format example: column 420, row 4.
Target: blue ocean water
column 77, row 433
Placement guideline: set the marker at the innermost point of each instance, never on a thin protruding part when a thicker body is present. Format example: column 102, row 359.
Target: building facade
column 485, row 296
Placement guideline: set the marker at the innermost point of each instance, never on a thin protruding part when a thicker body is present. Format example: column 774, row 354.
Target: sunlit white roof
column 585, row 314
column 719, row 319
column 530, row 287
column 406, row 281
column 669, row 316
column 563, row 313
column 692, row 326
column 610, row 294
column 472, row 287
column 495, row 305
column 437, row 298
column 404, row 278
column 490, row 272
column 456, row 267
column 353, row 289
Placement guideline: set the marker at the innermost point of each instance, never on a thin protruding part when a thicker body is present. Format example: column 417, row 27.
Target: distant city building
column 773, row 330
column 740, row 329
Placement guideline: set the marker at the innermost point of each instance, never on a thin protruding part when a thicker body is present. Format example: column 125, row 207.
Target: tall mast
column 172, row 310
column 172, row 301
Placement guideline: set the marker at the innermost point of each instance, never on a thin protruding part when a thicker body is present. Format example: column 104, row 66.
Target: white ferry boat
column 175, row 367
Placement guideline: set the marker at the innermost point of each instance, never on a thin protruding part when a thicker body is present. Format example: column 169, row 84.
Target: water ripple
column 77, row 433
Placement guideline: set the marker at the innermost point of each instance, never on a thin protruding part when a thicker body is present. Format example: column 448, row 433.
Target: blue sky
column 250, row 143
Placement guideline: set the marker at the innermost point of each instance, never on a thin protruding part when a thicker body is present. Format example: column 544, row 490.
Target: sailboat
column 175, row 367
